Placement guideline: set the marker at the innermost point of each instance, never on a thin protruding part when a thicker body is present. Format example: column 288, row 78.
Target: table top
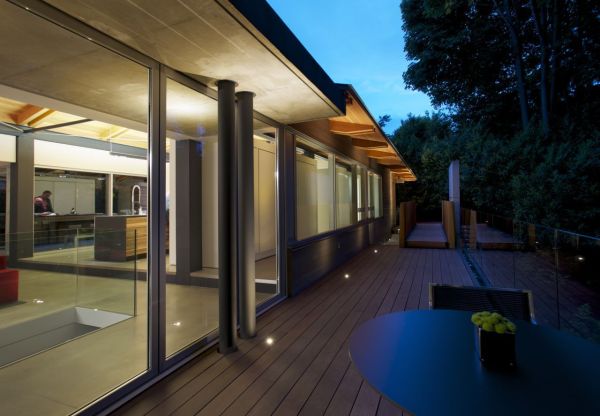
column 427, row 363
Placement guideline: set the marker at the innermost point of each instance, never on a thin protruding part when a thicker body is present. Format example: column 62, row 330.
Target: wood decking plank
column 239, row 379
column 304, row 381
column 279, row 382
column 307, row 370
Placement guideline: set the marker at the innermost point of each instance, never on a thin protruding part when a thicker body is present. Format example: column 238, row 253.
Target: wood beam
column 368, row 144
column 38, row 119
column 379, row 154
column 27, row 113
column 389, row 161
column 343, row 127
column 112, row 133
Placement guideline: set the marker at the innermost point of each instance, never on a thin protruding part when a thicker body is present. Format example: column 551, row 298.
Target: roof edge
column 262, row 16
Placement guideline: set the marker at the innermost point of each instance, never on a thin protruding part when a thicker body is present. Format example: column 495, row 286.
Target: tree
column 384, row 120
column 482, row 60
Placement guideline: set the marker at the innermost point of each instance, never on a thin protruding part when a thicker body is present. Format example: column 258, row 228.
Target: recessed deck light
column 347, row 276
column 38, row 301
column 177, row 323
column 269, row 341
column 375, row 251
column 580, row 258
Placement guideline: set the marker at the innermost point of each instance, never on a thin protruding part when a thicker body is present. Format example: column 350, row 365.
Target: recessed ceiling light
column 347, row 276
column 375, row 251
column 269, row 341
column 38, row 301
column 580, row 258
column 177, row 323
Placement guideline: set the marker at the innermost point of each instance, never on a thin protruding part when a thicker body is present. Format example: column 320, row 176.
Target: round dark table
column 427, row 363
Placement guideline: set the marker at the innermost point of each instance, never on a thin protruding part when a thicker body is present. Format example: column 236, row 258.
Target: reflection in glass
column 77, row 307
column 192, row 217
column 343, row 193
column 265, row 211
column 314, row 191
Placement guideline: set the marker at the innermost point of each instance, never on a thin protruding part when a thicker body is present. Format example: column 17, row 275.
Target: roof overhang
column 217, row 39
column 359, row 126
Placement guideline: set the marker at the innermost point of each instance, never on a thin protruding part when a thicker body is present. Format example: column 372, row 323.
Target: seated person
column 42, row 204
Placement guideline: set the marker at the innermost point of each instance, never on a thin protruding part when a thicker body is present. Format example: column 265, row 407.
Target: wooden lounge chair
column 511, row 303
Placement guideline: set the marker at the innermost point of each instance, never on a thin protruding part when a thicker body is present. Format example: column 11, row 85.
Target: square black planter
column 496, row 350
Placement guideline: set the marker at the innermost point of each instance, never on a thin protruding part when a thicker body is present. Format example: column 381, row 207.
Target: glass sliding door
column 266, row 231
column 73, row 317
column 3, row 206
column 192, row 217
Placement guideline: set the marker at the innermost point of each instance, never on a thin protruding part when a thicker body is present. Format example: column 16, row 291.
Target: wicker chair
column 511, row 303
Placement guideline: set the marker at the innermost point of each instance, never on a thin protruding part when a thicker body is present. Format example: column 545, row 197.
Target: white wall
column 64, row 156
column 8, row 148
column 265, row 199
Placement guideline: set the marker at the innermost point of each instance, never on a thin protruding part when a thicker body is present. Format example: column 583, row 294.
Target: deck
column 489, row 238
column 307, row 370
column 427, row 235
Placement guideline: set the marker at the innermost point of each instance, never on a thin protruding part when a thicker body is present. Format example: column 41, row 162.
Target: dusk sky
column 361, row 43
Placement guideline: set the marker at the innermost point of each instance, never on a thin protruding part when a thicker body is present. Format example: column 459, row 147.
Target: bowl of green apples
column 495, row 339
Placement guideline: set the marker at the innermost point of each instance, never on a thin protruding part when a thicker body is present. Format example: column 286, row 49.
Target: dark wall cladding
column 309, row 262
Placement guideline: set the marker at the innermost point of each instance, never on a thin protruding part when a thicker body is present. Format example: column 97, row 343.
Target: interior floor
column 97, row 362
column 266, row 268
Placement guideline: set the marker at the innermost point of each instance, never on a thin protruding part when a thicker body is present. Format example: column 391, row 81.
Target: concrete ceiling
column 68, row 72
column 209, row 40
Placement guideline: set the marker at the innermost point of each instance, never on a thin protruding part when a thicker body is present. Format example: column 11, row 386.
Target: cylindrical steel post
column 226, row 169
column 245, row 213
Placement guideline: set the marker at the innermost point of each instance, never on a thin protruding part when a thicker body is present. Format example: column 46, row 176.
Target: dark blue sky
column 359, row 42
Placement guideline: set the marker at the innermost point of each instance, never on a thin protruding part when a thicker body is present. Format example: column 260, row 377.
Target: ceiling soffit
column 204, row 39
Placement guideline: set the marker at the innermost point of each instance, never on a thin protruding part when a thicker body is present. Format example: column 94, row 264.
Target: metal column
column 245, row 213
column 226, row 171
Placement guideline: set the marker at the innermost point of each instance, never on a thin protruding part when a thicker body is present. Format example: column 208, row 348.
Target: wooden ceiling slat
column 368, row 144
column 343, row 127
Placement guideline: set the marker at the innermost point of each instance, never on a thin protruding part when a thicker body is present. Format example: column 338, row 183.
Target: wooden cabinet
column 120, row 238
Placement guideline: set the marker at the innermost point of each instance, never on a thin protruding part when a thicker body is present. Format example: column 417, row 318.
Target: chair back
column 511, row 303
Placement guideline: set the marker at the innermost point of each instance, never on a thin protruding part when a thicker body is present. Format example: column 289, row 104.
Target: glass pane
column 74, row 307
column 314, row 191
column 343, row 193
column 192, row 217
column 265, row 211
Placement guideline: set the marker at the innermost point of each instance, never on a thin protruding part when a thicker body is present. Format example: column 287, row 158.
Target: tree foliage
column 518, row 82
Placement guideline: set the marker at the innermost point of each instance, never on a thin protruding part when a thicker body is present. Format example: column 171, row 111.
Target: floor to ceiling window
column 192, row 217
column 265, row 212
column 73, row 309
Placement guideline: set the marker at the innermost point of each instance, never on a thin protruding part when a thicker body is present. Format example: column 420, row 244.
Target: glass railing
column 55, row 290
column 560, row 268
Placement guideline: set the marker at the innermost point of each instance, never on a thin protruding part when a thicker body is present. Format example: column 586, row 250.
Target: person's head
column 46, row 194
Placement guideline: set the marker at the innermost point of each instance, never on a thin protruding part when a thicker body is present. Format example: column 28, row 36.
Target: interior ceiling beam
column 113, row 133
column 57, row 126
column 37, row 120
column 343, row 127
column 368, row 144
column 27, row 113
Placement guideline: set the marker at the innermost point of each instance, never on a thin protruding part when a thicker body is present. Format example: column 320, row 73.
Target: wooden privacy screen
column 448, row 223
column 408, row 218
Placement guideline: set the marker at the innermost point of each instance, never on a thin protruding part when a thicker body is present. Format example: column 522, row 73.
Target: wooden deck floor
column 307, row 370
column 427, row 235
